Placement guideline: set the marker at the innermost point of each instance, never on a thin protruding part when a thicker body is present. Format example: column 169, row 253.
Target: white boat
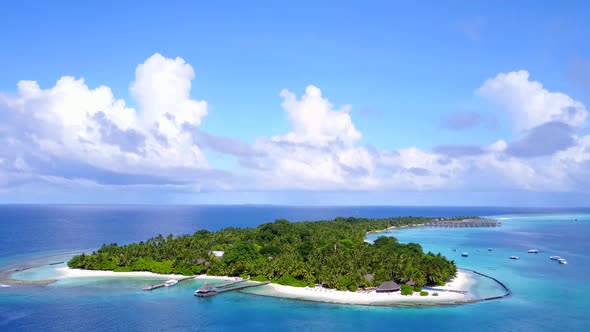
column 562, row 261
column 170, row 282
column 464, row 254
column 554, row 257
column 533, row 251
column 514, row 257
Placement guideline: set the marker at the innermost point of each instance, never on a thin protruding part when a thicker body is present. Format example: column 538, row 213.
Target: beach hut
column 388, row 287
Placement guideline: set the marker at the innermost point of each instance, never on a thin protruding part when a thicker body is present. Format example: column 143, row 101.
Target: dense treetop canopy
column 332, row 253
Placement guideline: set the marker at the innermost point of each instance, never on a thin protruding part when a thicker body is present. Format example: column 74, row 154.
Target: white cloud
column 322, row 151
column 315, row 121
column 529, row 103
column 85, row 135
column 319, row 152
column 71, row 121
column 162, row 86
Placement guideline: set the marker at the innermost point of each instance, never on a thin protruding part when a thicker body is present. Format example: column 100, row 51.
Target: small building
column 388, row 287
column 411, row 283
column 206, row 290
column 369, row 277
column 217, row 253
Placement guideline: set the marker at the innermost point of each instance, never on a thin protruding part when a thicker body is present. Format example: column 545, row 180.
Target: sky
column 300, row 102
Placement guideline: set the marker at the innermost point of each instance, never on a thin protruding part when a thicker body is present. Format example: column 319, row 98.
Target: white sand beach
column 66, row 273
column 461, row 282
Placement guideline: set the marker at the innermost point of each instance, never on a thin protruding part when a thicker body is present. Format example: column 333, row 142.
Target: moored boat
column 533, row 251
column 170, row 283
column 514, row 257
column 464, row 254
column 554, row 257
column 562, row 261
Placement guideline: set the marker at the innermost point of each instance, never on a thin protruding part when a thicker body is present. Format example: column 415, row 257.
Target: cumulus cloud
column 319, row 152
column 542, row 140
column 458, row 150
column 529, row 103
column 72, row 122
column 72, row 134
column 315, row 121
column 226, row 145
column 322, row 151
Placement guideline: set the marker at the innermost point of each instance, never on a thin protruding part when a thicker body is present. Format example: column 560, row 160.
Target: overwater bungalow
column 388, row 287
column 206, row 290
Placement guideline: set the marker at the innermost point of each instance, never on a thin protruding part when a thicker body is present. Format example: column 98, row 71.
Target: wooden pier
column 231, row 283
column 463, row 223
column 242, row 286
column 208, row 290
column 156, row 286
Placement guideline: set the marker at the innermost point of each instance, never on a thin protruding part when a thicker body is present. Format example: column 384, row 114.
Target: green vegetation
column 331, row 253
column 259, row 278
column 407, row 290
column 434, row 294
column 423, row 293
column 289, row 280
column 417, row 289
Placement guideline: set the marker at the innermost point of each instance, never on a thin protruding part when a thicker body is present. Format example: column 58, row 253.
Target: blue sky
column 450, row 102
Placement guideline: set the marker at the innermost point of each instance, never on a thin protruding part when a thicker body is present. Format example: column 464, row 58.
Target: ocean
column 546, row 296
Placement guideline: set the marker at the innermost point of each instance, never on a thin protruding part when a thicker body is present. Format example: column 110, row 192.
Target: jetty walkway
column 444, row 290
column 156, row 286
column 242, row 286
column 463, row 223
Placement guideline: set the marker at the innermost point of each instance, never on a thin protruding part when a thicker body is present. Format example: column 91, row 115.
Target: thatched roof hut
column 206, row 288
column 388, row 287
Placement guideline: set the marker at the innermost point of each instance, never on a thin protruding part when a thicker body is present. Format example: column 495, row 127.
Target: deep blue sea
column 546, row 296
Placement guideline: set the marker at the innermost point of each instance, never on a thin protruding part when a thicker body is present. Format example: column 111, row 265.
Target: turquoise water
column 546, row 296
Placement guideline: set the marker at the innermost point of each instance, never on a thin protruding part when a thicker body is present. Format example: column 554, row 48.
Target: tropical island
column 333, row 254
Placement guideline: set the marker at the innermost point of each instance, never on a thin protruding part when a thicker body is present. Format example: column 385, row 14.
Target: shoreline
column 464, row 281
column 319, row 294
column 69, row 273
column 393, row 227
